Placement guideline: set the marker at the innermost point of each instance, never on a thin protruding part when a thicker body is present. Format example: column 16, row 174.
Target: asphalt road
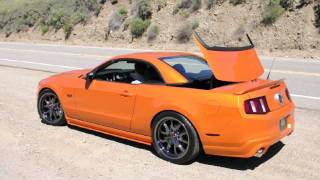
column 302, row 76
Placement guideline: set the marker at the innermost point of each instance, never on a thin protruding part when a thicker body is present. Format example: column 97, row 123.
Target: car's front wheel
column 50, row 109
column 174, row 138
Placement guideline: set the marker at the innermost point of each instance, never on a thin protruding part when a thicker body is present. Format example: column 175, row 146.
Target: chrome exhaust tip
column 260, row 153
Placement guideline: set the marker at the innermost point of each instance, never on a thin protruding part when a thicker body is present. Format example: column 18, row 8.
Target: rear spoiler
column 272, row 84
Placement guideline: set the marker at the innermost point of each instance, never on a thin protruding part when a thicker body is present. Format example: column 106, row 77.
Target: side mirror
column 89, row 77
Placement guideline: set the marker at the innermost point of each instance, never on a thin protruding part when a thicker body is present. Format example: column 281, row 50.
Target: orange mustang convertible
column 177, row 102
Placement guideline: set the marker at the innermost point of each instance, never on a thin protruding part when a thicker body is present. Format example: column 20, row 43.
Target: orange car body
column 218, row 115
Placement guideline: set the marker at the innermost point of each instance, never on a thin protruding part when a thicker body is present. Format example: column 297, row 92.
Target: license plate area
column 283, row 123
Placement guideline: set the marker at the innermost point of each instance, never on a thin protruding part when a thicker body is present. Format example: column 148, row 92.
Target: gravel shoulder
column 30, row 149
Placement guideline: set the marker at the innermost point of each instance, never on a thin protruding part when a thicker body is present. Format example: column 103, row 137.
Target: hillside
column 292, row 31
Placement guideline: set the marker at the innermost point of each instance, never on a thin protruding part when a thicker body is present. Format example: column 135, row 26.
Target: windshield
column 193, row 68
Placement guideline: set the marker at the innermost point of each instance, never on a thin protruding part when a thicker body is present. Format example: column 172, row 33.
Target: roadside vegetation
column 316, row 9
column 185, row 30
column 273, row 10
column 134, row 18
column 19, row 15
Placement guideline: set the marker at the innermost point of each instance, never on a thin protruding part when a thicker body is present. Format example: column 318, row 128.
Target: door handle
column 125, row 93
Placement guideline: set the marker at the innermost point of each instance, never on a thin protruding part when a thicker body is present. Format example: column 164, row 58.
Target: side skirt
column 111, row 131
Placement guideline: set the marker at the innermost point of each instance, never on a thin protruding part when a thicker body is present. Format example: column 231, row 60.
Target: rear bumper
column 252, row 135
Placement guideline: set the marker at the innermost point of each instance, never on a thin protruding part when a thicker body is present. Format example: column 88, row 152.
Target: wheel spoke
column 167, row 130
column 168, row 146
column 181, row 148
column 182, row 134
column 50, row 114
column 163, row 141
column 175, row 149
column 183, row 141
column 177, row 127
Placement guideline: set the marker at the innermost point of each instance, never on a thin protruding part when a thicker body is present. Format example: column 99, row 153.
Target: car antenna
column 250, row 40
column 268, row 77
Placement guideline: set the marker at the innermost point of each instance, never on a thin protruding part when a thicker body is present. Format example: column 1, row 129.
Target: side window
column 191, row 67
column 130, row 71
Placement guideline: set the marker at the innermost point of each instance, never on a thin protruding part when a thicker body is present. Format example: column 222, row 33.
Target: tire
column 50, row 109
column 184, row 143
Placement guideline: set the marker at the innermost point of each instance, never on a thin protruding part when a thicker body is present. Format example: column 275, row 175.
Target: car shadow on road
column 112, row 138
column 241, row 163
column 226, row 162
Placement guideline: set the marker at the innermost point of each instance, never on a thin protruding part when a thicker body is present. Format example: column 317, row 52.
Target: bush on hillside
column 160, row 4
column 141, row 9
column 191, row 5
column 272, row 12
column 293, row 4
column 18, row 15
column 316, row 9
column 138, row 26
column 303, row 3
column 208, row 4
column 117, row 18
column 152, row 32
column 236, row 2
column 185, row 31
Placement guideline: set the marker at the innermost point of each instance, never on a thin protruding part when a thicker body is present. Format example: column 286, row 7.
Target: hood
column 74, row 73
column 232, row 64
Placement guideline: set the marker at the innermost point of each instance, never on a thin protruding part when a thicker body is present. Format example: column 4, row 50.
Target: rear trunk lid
column 231, row 64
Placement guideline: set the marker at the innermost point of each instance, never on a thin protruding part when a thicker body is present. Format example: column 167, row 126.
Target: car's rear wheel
column 50, row 109
column 174, row 138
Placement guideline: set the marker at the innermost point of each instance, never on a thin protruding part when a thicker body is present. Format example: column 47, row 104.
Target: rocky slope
column 293, row 34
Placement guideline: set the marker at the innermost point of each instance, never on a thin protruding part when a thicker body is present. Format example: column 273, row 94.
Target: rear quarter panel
column 199, row 106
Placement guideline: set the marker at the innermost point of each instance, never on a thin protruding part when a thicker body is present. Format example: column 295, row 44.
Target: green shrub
column 195, row 25
column 303, row 3
column 272, row 12
column 196, row 4
column 44, row 28
column 141, row 9
column 185, row 30
column 160, row 4
column 288, row 4
column 293, row 4
column 192, row 5
column 117, row 18
column 114, row 1
column 184, row 13
column 123, row 11
column 152, row 32
column 138, row 26
column 236, row 2
column 316, row 9
column 19, row 15
column 67, row 29
column 209, row 3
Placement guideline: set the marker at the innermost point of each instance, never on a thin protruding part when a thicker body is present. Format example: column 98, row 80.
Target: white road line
column 268, row 58
column 53, row 52
column 306, row 97
column 71, row 68
column 41, row 64
column 293, row 72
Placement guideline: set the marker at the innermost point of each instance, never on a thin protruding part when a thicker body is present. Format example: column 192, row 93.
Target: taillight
column 256, row 106
column 288, row 94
